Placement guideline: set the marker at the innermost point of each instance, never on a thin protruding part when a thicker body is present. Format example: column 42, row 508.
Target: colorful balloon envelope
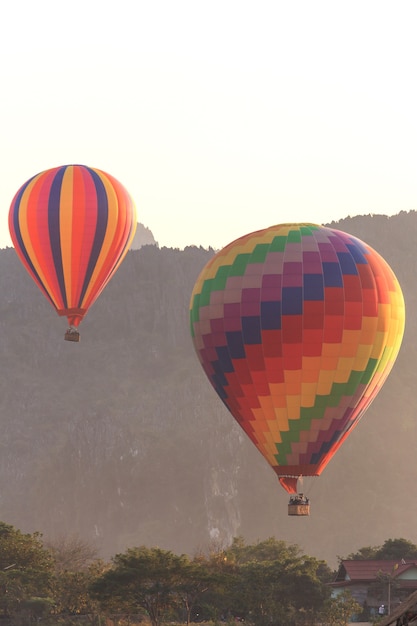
column 297, row 327
column 71, row 227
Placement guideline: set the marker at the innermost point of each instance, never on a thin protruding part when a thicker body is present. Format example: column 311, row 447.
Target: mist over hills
column 121, row 440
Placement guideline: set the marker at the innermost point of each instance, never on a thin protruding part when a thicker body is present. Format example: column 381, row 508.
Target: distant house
column 376, row 583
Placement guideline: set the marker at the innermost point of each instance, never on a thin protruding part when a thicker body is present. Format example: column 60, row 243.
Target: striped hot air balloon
column 71, row 227
column 297, row 327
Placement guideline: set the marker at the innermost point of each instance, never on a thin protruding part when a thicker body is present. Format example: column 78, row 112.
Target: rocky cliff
column 121, row 440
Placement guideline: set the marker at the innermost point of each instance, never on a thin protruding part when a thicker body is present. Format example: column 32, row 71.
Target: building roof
column 368, row 570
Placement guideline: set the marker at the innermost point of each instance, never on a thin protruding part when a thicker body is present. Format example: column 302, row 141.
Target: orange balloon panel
column 71, row 227
column 297, row 327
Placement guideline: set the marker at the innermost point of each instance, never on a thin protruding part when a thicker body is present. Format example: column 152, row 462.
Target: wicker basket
column 298, row 509
column 72, row 335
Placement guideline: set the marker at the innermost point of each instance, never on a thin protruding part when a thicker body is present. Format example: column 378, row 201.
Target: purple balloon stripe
column 327, row 253
column 269, row 281
column 339, row 244
column 251, row 308
column 312, row 263
column 251, row 295
column 232, row 309
column 232, row 324
column 269, row 294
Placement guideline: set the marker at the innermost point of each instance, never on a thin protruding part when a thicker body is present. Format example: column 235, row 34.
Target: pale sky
column 219, row 117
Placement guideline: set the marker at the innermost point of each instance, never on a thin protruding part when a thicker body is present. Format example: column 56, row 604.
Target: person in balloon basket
column 299, row 498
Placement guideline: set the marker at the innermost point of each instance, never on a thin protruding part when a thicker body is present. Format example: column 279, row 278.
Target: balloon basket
column 72, row 335
column 299, row 505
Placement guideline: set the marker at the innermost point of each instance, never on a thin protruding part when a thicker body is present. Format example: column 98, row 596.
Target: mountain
column 143, row 237
column 121, row 440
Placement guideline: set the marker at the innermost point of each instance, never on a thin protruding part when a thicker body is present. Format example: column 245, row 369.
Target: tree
column 363, row 554
column 25, row 569
column 221, row 574
column 268, row 550
column 338, row 611
column 35, row 609
column 142, row 578
column 201, row 578
column 276, row 582
column 75, row 567
column 71, row 590
column 71, row 553
column 391, row 550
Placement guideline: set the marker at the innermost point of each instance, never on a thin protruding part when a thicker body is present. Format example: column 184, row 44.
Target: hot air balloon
column 71, row 227
column 297, row 327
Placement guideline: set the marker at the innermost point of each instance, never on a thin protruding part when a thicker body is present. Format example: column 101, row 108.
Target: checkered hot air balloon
column 71, row 227
column 297, row 327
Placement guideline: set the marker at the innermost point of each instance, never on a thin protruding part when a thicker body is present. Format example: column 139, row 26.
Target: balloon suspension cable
column 72, row 334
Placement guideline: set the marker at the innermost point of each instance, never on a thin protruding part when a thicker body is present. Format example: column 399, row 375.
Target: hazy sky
column 220, row 117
